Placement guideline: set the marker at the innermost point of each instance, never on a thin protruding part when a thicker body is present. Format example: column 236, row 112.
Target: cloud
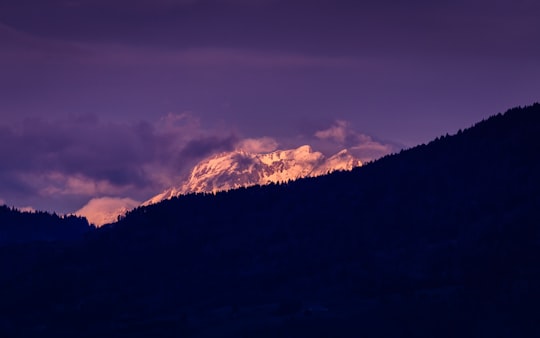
column 57, row 183
column 202, row 147
column 29, row 47
column 81, row 156
column 20, row 46
column 149, row 5
column 364, row 147
column 338, row 132
column 257, row 145
column 126, row 55
column 368, row 149
column 182, row 124
column 76, row 149
column 103, row 210
column 59, row 164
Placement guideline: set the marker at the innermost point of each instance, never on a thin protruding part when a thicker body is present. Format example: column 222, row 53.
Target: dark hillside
column 21, row 227
column 439, row 240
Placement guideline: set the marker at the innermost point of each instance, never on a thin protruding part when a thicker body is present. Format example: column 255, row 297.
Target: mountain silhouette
column 438, row 240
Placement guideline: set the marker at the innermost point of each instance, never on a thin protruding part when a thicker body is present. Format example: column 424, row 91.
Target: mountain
column 230, row 170
column 235, row 169
column 441, row 240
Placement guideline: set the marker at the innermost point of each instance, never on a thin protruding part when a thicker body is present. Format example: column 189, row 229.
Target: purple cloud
column 363, row 146
column 20, row 47
column 210, row 57
column 338, row 132
column 257, row 145
column 206, row 146
column 84, row 156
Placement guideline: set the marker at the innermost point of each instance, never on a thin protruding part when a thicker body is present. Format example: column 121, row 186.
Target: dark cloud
column 351, row 28
column 276, row 58
column 84, row 156
column 20, row 47
column 61, row 163
column 202, row 147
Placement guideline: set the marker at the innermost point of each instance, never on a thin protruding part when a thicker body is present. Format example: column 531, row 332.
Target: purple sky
column 118, row 97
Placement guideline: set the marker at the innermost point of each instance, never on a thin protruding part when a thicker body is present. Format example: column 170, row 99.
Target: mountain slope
column 237, row 169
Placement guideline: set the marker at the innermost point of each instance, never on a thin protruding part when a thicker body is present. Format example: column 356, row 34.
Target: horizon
column 116, row 99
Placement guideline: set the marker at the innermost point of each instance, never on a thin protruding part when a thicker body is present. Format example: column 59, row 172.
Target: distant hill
column 441, row 240
column 21, row 227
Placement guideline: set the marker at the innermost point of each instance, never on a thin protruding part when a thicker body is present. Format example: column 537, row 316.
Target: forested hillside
column 20, row 227
column 440, row 240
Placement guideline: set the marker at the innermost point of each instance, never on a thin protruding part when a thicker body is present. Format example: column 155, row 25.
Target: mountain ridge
column 238, row 168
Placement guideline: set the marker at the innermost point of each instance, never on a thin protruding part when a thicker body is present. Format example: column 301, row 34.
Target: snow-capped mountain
column 238, row 168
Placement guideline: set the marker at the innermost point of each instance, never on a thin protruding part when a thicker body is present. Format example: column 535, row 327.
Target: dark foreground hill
column 441, row 240
column 23, row 227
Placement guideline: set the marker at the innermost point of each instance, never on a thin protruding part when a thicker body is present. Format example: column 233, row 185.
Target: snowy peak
column 238, row 168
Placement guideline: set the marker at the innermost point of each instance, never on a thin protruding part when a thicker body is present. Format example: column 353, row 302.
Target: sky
column 104, row 100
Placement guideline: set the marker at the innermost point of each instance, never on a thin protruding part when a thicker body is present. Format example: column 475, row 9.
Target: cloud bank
column 80, row 157
column 102, row 168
